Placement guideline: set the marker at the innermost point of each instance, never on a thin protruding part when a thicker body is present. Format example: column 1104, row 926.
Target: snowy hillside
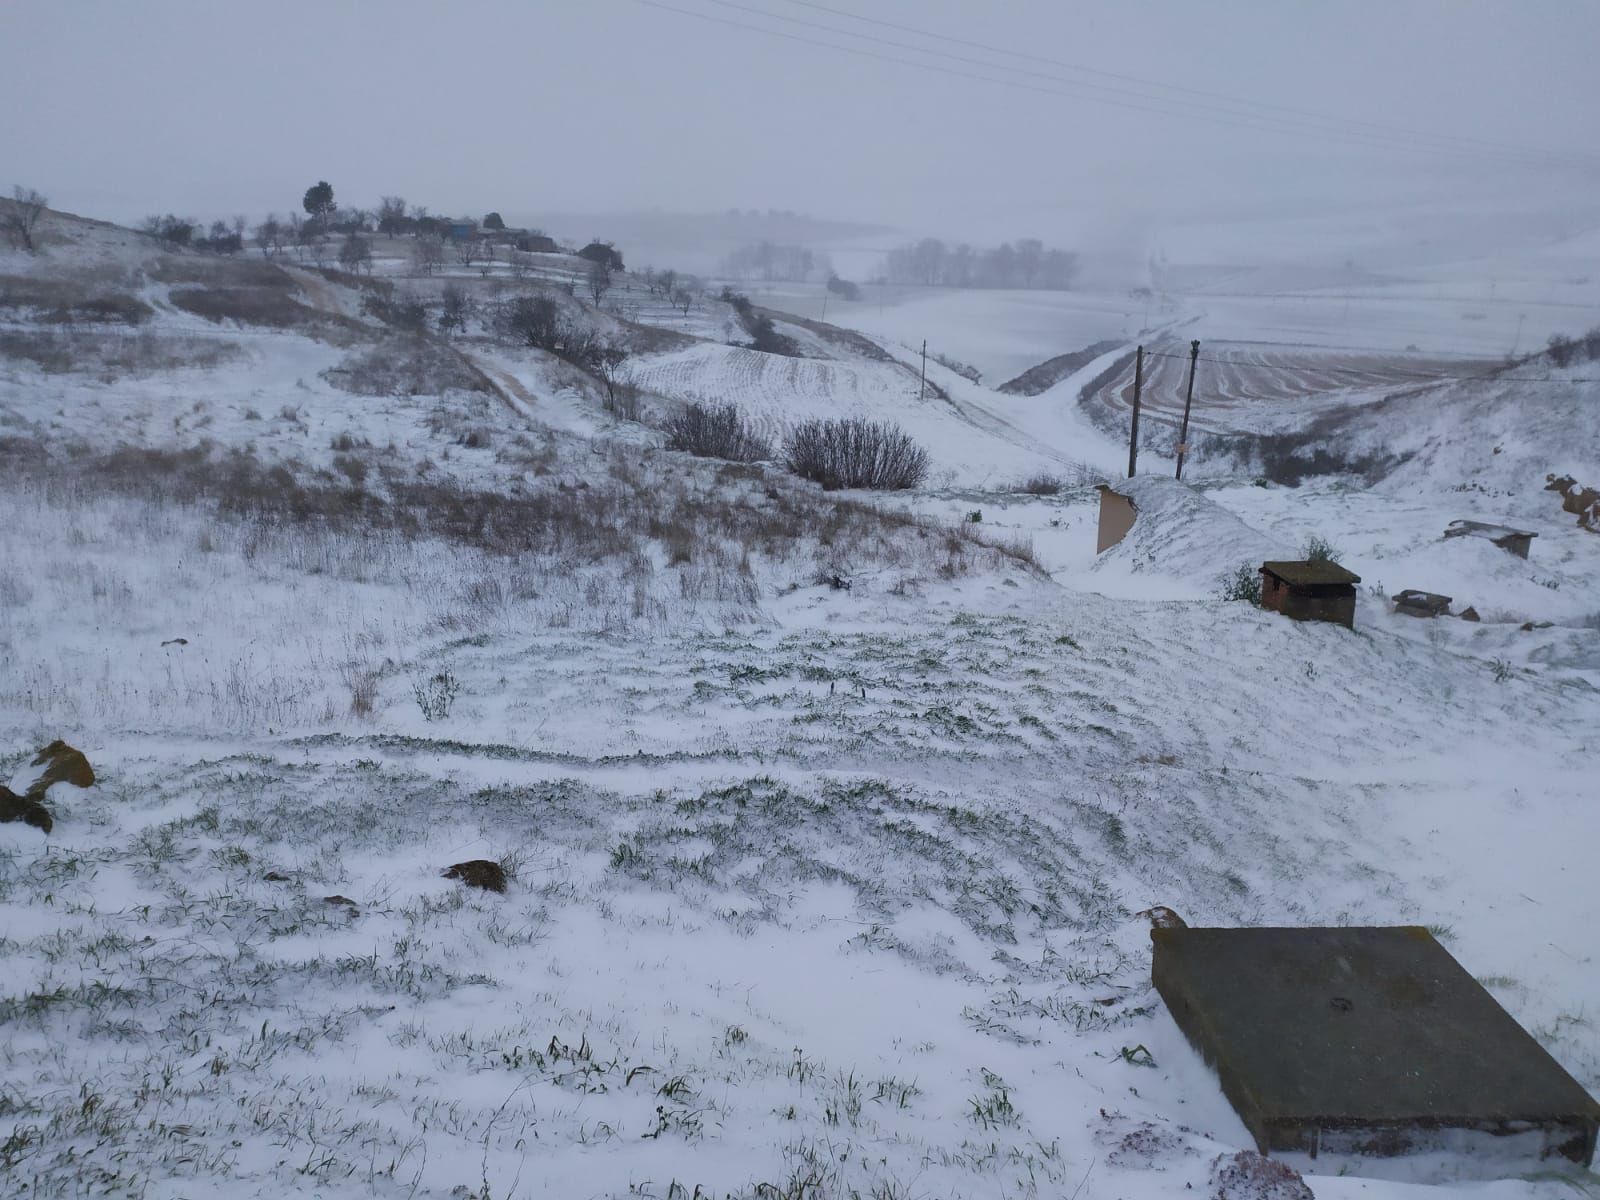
column 825, row 821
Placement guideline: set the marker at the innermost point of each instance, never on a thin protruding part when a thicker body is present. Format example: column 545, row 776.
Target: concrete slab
column 1366, row 1041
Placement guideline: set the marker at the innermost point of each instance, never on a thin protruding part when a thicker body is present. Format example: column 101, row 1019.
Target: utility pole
column 1133, row 436
column 1188, row 399
column 922, row 384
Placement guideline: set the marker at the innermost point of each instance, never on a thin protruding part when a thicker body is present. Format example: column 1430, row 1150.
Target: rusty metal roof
column 1310, row 573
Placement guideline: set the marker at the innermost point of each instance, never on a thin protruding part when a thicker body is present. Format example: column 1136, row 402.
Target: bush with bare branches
column 855, row 453
column 716, row 431
column 21, row 217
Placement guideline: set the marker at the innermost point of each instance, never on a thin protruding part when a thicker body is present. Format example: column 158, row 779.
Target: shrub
column 764, row 335
column 1591, row 344
column 112, row 356
column 1041, row 483
column 716, row 431
column 404, row 367
column 1241, row 583
column 67, row 302
column 966, row 370
column 843, row 288
column 269, row 307
column 435, row 695
column 534, row 320
column 1319, row 549
column 405, row 311
column 363, row 684
column 855, row 453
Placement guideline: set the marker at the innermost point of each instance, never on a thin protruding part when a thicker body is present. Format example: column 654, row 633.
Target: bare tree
column 21, row 217
column 309, row 241
column 602, row 359
column 599, row 280
column 355, row 254
column 427, row 255
column 269, row 236
column 468, row 250
column 688, row 290
column 391, row 215
column 520, row 264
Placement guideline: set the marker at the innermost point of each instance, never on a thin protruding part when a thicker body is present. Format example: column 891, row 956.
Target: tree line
column 774, row 262
column 1028, row 263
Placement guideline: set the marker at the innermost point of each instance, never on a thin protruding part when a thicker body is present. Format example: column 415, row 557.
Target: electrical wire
column 1420, row 376
column 1178, row 89
column 1294, row 123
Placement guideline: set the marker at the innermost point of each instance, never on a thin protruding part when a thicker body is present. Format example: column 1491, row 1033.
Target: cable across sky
column 1047, row 76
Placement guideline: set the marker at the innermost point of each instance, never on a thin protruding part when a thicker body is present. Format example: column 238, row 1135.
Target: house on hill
column 1310, row 590
column 603, row 252
column 533, row 243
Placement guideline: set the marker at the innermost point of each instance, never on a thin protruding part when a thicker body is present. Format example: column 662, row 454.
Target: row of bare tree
column 1027, row 264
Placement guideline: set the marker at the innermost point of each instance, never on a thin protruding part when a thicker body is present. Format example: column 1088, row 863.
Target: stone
column 62, row 764
column 1251, row 1176
column 1414, row 602
column 25, row 809
column 479, row 873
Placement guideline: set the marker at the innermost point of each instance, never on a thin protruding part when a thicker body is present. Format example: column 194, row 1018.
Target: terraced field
column 1245, row 385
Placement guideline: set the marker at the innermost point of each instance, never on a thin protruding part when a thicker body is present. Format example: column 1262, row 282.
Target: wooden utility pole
column 1133, row 435
column 1188, row 399
column 922, row 384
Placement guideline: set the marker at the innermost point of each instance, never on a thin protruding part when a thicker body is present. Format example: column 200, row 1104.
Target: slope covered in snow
column 826, row 821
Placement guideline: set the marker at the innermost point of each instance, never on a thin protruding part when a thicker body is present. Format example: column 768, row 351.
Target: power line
column 1090, row 90
column 1420, row 376
column 1178, row 89
column 1356, row 132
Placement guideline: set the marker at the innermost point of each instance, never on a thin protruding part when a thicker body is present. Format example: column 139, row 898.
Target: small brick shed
column 1367, row 1041
column 1310, row 590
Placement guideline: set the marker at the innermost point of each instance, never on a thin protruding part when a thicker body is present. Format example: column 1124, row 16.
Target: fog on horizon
column 842, row 109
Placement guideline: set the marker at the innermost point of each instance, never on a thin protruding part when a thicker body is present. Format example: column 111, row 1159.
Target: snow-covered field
column 814, row 891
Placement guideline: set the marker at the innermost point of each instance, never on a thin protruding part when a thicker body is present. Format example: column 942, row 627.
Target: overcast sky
column 118, row 109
